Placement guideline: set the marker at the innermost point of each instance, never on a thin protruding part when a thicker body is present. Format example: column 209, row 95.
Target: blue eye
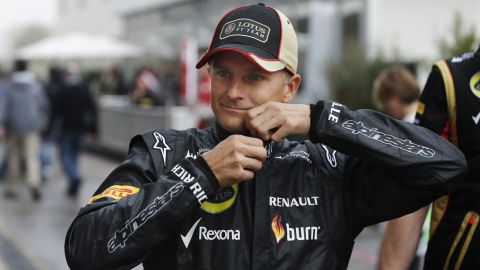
column 255, row 77
column 224, row 74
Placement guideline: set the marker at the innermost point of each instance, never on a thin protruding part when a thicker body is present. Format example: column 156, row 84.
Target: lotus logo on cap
column 245, row 28
column 229, row 29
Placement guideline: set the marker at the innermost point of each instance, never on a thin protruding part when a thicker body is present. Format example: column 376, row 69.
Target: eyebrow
column 255, row 69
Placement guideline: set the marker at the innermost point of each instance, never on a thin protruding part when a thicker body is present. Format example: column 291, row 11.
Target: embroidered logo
column 161, row 145
column 332, row 159
column 245, row 28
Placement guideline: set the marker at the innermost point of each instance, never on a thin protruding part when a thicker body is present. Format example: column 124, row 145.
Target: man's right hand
column 236, row 159
column 2, row 134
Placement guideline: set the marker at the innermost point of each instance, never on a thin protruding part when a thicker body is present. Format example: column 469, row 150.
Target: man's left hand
column 275, row 120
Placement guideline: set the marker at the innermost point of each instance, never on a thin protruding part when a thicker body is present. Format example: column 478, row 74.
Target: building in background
column 407, row 30
column 92, row 16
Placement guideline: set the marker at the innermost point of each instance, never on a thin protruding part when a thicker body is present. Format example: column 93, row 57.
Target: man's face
column 239, row 85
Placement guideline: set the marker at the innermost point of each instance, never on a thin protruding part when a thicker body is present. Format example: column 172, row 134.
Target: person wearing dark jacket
column 75, row 115
column 450, row 106
column 238, row 195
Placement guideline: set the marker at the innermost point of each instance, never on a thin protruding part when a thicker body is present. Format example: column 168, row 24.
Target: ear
column 291, row 88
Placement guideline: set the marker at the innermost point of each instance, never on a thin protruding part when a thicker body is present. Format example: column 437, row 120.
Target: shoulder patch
column 475, row 84
column 331, row 156
column 161, row 144
column 420, row 108
column 115, row 192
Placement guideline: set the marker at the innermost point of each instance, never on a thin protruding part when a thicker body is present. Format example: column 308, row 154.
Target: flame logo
column 277, row 228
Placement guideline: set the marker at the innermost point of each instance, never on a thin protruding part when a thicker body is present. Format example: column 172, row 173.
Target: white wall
column 93, row 16
column 412, row 28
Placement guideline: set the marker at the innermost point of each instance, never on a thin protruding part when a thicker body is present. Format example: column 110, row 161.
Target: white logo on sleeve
column 335, row 112
column 188, row 237
column 332, row 159
column 190, row 155
column 161, row 145
column 476, row 119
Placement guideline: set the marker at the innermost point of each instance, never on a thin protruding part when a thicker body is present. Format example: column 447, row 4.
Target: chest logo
column 223, row 200
column 476, row 119
column 306, row 233
column 475, row 84
column 188, row 237
column 161, row 145
column 277, row 228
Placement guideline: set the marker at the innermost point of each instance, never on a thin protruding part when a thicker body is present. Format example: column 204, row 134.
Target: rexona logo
column 293, row 233
column 209, row 235
column 206, row 234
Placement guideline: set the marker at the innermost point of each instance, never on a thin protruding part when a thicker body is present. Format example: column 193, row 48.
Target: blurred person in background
column 147, row 92
column 396, row 92
column 21, row 120
column 239, row 195
column 75, row 115
column 113, row 81
column 50, row 132
column 170, row 84
column 3, row 157
column 450, row 106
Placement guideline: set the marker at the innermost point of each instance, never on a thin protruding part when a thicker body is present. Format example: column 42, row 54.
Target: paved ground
column 32, row 234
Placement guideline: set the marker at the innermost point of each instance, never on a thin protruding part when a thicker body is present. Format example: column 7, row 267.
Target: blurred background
column 134, row 61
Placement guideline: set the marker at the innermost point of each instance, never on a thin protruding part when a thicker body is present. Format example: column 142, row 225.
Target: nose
column 236, row 90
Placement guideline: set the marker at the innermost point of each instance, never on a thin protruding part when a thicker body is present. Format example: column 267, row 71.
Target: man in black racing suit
column 238, row 195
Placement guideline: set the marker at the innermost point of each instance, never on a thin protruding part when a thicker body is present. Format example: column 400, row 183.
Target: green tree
column 353, row 77
column 461, row 39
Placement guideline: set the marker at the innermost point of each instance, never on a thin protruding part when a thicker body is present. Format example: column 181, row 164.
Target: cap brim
column 261, row 58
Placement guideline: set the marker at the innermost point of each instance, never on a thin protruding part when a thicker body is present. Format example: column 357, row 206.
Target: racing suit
column 163, row 207
column 455, row 237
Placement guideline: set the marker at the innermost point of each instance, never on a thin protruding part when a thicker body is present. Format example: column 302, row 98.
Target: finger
column 256, row 152
column 271, row 125
column 253, row 131
column 280, row 134
column 252, row 115
column 251, row 164
column 263, row 123
column 251, row 141
column 255, row 111
column 245, row 175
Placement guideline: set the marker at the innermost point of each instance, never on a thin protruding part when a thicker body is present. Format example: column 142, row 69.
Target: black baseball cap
column 261, row 33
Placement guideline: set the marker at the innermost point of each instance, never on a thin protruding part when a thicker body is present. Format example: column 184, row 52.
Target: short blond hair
column 396, row 81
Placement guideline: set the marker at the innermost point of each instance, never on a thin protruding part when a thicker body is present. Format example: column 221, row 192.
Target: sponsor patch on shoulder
column 161, row 145
column 475, row 84
column 115, row 192
column 420, row 108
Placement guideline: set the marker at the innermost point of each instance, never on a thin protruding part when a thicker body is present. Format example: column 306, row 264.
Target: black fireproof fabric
column 444, row 251
column 299, row 212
